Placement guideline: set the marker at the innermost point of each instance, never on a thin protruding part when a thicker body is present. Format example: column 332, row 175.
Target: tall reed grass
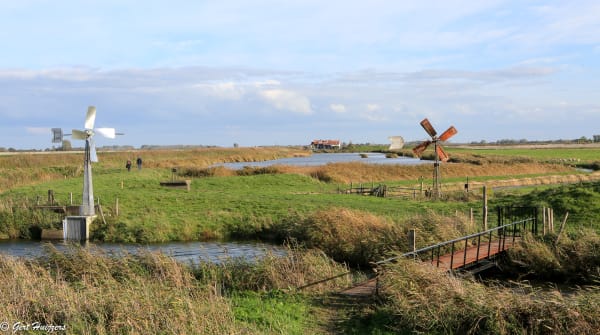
column 575, row 259
column 93, row 294
column 423, row 299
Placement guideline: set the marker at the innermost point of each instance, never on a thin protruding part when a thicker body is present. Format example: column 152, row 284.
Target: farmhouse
column 325, row 144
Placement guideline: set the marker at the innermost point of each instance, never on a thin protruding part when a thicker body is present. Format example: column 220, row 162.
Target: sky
column 270, row 72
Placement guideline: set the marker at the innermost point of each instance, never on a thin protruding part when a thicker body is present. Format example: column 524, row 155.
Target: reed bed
column 576, row 259
column 92, row 294
column 297, row 269
column 425, row 300
column 362, row 173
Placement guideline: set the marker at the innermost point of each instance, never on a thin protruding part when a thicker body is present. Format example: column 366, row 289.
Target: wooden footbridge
column 472, row 253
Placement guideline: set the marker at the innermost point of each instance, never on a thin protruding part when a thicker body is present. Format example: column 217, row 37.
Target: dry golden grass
column 92, row 294
column 426, row 300
column 295, row 270
column 362, row 173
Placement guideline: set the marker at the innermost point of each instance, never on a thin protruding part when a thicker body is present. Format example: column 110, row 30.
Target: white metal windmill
column 87, row 205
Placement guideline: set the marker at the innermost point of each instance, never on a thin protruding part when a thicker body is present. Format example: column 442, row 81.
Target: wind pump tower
column 438, row 151
column 87, row 135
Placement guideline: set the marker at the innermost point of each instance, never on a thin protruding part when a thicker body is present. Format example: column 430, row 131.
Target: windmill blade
column 418, row 150
column 448, row 133
column 93, row 155
column 78, row 134
column 428, row 127
column 90, row 118
column 106, row 132
column 442, row 155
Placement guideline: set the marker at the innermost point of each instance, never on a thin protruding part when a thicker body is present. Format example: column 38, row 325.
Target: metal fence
column 487, row 244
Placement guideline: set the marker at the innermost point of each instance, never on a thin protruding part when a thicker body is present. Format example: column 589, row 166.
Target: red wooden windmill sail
column 439, row 153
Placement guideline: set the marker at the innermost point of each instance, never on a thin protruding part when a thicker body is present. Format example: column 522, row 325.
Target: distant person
column 139, row 163
column 128, row 165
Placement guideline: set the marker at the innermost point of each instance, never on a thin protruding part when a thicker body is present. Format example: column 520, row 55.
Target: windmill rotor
column 438, row 151
column 88, row 134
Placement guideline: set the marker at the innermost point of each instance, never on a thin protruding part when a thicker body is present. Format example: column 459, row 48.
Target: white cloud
column 38, row 131
column 224, row 90
column 268, row 82
column 371, row 108
column 373, row 113
column 338, row 108
column 287, row 100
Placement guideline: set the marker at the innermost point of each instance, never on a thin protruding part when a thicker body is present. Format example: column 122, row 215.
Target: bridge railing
column 500, row 235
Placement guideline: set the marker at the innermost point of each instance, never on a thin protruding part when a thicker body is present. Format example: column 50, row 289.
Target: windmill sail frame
column 439, row 153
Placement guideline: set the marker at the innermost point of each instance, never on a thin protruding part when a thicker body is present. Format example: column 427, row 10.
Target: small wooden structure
column 182, row 184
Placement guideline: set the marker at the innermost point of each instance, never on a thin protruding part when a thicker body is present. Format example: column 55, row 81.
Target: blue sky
column 272, row 72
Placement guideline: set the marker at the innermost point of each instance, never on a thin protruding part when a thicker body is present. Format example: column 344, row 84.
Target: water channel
column 326, row 158
column 186, row 252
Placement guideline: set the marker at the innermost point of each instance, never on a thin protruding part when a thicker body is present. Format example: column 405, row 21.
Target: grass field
column 561, row 154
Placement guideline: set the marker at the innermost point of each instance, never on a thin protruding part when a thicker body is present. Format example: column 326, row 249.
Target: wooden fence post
column 544, row 220
column 117, row 207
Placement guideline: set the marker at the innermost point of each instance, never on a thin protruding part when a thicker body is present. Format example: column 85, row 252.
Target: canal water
column 326, row 158
column 186, row 252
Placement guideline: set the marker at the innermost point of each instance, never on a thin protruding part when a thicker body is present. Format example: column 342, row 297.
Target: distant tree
column 583, row 139
column 66, row 145
column 235, row 145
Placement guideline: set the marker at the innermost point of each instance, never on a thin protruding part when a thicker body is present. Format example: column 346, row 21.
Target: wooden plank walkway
column 473, row 255
column 446, row 262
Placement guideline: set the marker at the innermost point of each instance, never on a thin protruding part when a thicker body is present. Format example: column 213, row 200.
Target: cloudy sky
column 268, row 72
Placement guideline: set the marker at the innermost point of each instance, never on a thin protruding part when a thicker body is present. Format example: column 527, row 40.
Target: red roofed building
column 325, row 144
